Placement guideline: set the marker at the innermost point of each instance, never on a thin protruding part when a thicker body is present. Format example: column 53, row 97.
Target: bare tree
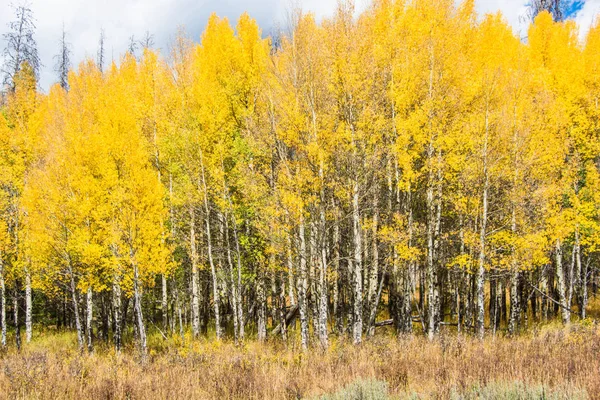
column 100, row 57
column 133, row 45
column 554, row 7
column 148, row 41
column 20, row 44
column 63, row 60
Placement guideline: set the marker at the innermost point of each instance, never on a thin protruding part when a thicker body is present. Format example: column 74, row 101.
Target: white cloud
column 587, row 16
column 515, row 12
column 120, row 19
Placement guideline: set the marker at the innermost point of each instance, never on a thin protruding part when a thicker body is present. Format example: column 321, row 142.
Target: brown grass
column 562, row 363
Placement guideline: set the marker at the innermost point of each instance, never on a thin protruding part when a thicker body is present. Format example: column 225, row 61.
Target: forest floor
column 548, row 362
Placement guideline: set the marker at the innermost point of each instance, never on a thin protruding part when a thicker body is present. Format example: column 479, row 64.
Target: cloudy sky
column 84, row 19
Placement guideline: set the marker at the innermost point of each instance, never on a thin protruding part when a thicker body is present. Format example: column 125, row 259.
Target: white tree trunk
column 374, row 272
column 195, row 278
column 2, row 304
column 480, row 328
column 16, row 317
column 560, row 276
column 213, row 271
column 164, row 302
column 89, row 319
column 28, row 308
column 75, row 302
column 261, row 299
column 118, row 335
column 323, row 289
column 431, row 272
column 358, row 284
column 141, row 329
column 234, row 296
column 303, row 287
column 240, row 308
column 290, row 267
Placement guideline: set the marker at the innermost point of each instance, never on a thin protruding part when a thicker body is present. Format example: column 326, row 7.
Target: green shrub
column 521, row 391
column 367, row 389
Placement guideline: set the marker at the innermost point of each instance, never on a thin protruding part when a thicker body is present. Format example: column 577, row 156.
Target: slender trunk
column 323, row 288
column 560, row 276
column 374, row 272
column 89, row 319
column 303, row 286
column 578, row 271
column 514, row 282
column 290, row 267
column 234, row 297
column 480, row 328
column 16, row 316
column 78, row 326
column 141, row 329
column 240, row 308
column 28, row 308
column 584, row 289
column 337, row 299
column 117, row 306
column 261, row 299
column 358, row 284
column 195, row 277
column 570, row 278
column 213, row 272
column 406, row 281
column 164, row 303
column 431, row 271
column 282, row 307
column 313, row 282
column 2, row 304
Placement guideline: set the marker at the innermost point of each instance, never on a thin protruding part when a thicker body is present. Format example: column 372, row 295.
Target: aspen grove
column 413, row 165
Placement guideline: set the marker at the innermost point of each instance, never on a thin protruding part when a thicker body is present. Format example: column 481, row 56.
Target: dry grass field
column 549, row 363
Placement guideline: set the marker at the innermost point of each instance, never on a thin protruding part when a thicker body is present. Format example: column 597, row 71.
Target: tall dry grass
column 550, row 363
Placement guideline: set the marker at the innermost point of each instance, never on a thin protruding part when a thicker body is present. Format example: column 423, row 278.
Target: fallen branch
column 289, row 317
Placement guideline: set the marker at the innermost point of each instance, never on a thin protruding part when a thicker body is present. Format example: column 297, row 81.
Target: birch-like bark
column 89, row 319
column 2, row 304
column 584, row 289
column 303, row 286
column 578, row 270
column 560, row 276
column 164, row 304
column 514, row 282
column 358, row 284
column 406, row 324
column 261, row 299
column 431, row 272
column 16, row 316
column 290, row 270
column 337, row 300
column 323, row 292
column 282, row 307
column 569, row 279
column 374, row 271
column 213, row 272
column 240, row 307
column 141, row 329
column 480, row 327
column 234, row 297
column 117, row 306
column 78, row 327
column 195, row 277
column 28, row 308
